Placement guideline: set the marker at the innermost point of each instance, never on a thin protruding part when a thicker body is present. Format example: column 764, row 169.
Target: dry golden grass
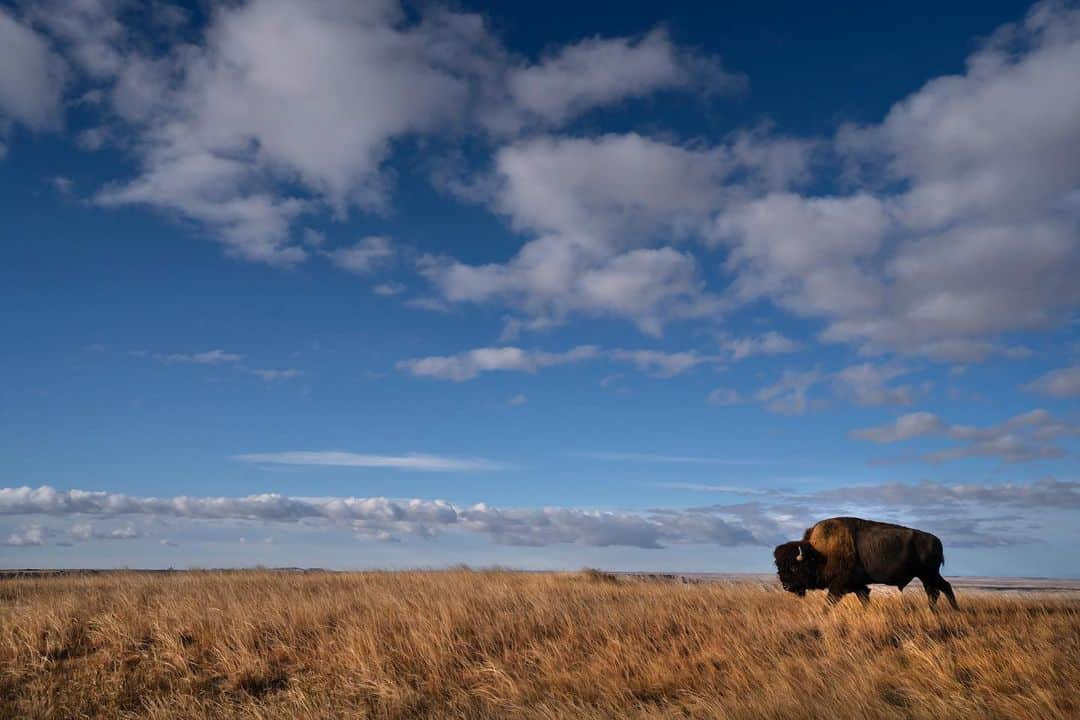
column 461, row 644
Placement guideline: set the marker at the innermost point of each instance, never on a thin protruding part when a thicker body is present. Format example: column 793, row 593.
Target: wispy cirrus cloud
column 662, row 458
column 337, row 458
column 207, row 357
column 471, row 363
column 222, row 358
column 789, row 395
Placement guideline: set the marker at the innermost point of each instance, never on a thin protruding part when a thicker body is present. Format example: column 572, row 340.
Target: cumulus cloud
column 867, row 384
column 31, row 535
column 600, row 214
column 231, row 138
column 31, row 77
column 89, row 31
column 984, row 233
column 469, row 364
column 337, row 458
column 1062, row 383
column 365, row 256
column 600, row 71
column 1023, row 438
column 225, row 127
column 769, row 343
column 386, row 519
column 805, row 253
column 922, row 257
column 912, row 425
column 664, row 364
column 87, row 531
column 981, row 238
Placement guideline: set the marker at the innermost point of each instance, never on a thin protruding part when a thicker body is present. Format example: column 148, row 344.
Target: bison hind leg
column 935, row 585
column 863, row 594
column 932, row 592
column 946, row 588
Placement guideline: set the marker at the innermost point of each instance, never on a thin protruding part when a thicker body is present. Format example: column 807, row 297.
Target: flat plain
column 503, row 644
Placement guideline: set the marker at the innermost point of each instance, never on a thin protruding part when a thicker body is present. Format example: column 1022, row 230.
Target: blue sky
column 363, row 284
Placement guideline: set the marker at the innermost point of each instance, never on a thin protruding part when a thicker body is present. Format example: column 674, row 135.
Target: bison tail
column 938, row 558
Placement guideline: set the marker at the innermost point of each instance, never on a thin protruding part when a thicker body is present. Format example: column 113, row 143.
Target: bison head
column 797, row 566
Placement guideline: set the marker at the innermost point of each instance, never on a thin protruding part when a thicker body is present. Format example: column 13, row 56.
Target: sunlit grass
column 461, row 644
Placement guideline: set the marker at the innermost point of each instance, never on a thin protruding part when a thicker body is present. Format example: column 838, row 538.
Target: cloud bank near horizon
column 965, row 514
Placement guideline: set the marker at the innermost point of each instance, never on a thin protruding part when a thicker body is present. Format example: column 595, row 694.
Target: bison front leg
column 863, row 594
column 836, row 594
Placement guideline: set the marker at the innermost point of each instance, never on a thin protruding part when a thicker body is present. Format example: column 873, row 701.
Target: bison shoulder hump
column 835, row 540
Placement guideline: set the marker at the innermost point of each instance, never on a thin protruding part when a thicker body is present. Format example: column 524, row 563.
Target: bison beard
column 845, row 555
column 797, row 566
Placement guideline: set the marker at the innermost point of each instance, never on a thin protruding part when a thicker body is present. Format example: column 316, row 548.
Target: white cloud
column 89, row 31
column 600, row 71
column 209, row 357
column 1064, row 382
column 1022, row 438
column 388, row 289
column 981, row 238
column 31, row 77
column 383, row 518
column 769, row 343
column 662, row 458
column 365, row 256
column 1044, row 493
column 231, row 137
column 336, row 458
column 31, row 535
column 221, row 357
column 601, row 213
column 63, row 185
column 805, row 253
column 867, row 384
column 906, row 427
column 87, row 531
column 225, row 124
column 272, row 375
column 517, row 400
column 724, row 396
column 469, row 364
column 789, row 394
column 664, row 364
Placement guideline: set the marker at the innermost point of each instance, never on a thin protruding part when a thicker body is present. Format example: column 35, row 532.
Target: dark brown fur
column 846, row 555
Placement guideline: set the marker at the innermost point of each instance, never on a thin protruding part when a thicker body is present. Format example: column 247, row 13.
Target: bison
column 846, row 554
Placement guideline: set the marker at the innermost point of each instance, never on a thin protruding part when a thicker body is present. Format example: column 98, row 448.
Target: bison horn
column 799, row 556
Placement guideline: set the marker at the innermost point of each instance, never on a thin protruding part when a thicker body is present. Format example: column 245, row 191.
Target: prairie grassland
column 463, row 644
